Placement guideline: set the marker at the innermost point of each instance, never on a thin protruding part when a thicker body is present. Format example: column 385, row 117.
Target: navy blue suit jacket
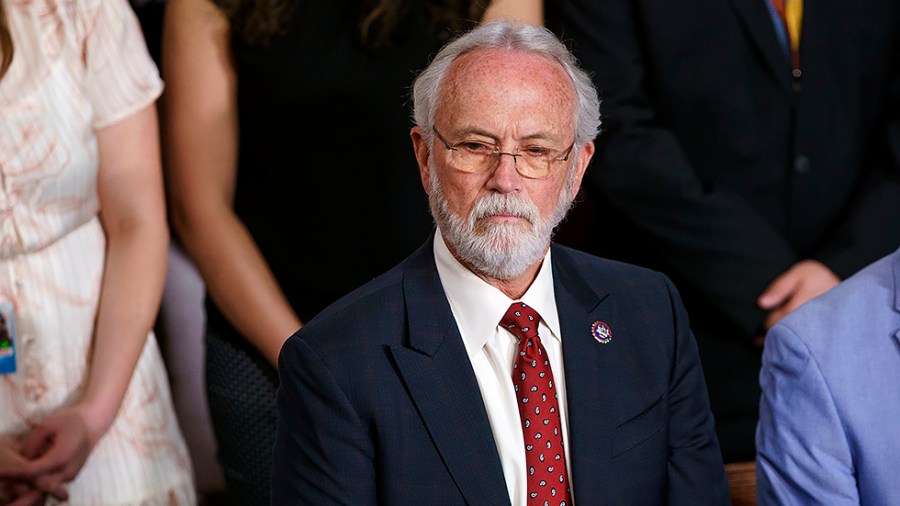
column 379, row 404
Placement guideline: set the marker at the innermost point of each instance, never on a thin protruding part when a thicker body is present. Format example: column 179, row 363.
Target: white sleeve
column 120, row 76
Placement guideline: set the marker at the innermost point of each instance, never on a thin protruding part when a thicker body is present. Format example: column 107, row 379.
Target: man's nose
column 505, row 177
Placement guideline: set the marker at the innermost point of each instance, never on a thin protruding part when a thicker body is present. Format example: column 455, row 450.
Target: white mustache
column 499, row 204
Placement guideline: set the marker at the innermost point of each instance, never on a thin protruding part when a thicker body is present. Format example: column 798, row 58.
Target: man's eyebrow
column 540, row 135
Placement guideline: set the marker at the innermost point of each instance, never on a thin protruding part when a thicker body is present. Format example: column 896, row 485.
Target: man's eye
column 477, row 147
column 536, row 151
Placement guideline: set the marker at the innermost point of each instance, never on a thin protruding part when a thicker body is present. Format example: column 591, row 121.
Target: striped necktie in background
column 791, row 13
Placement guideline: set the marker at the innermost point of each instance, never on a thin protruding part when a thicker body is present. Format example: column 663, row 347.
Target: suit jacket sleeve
column 322, row 452
column 803, row 456
column 695, row 471
column 712, row 237
column 871, row 226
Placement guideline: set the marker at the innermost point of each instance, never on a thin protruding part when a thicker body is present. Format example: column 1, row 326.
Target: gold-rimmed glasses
column 474, row 157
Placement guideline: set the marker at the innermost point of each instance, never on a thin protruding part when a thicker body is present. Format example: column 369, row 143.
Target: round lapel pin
column 601, row 332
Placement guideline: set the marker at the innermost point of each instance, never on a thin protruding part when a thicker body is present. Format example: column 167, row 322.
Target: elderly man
column 492, row 367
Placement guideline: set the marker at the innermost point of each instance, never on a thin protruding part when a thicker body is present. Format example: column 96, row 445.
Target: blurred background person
column 180, row 324
column 82, row 256
column 828, row 417
column 750, row 152
column 270, row 104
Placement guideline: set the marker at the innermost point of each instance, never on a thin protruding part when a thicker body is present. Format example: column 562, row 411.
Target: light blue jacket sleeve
column 803, row 456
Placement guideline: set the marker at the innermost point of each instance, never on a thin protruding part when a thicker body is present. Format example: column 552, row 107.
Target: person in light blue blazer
column 829, row 429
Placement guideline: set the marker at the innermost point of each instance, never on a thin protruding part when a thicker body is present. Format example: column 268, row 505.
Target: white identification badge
column 7, row 339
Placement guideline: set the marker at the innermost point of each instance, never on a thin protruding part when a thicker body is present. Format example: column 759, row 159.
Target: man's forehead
column 484, row 78
column 494, row 63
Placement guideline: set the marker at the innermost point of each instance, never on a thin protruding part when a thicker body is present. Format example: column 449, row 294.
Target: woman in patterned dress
column 83, row 242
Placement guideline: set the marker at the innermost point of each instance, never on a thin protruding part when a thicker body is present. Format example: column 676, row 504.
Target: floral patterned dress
column 79, row 65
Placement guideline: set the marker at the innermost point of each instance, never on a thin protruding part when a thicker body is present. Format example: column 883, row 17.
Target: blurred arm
column 201, row 135
column 525, row 11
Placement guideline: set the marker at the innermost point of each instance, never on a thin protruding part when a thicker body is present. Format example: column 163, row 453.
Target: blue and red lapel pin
column 601, row 332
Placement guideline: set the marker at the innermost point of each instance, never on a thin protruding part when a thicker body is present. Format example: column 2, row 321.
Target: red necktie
column 545, row 459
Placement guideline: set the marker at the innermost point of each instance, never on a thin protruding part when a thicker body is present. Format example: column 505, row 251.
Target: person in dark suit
column 754, row 161
column 491, row 367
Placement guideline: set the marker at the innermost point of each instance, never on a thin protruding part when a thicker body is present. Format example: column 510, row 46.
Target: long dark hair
column 255, row 21
column 6, row 43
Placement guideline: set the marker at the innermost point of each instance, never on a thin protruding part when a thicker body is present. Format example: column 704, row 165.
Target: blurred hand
column 18, row 482
column 12, row 463
column 805, row 280
column 59, row 445
column 12, row 468
column 20, row 495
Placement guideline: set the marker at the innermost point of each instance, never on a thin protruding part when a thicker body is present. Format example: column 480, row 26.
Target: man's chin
column 504, row 244
column 502, row 254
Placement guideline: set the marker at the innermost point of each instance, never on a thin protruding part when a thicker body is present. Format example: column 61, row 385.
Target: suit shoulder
column 611, row 272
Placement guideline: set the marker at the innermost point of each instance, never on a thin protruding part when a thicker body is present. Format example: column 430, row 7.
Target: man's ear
column 422, row 150
column 584, row 159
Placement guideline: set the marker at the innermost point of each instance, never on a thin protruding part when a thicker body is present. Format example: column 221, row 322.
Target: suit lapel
column 436, row 369
column 589, row 366
column 755, row 17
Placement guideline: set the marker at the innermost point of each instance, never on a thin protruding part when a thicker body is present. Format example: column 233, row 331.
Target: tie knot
column 521, row 320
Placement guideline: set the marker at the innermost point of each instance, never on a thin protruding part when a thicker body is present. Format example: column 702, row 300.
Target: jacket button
column 801, row 164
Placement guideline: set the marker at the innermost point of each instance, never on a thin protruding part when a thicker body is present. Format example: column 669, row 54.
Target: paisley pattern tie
column 545, row 458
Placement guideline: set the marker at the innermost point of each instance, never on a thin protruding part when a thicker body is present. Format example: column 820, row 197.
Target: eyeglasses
column 477, row 157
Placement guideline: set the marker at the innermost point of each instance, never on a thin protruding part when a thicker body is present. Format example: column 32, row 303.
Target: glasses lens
column 477, row 157
column 528, row 165
column 466, row 161
column 534, row 166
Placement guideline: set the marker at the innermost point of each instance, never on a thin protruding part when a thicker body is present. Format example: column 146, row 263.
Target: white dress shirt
column 477, row 308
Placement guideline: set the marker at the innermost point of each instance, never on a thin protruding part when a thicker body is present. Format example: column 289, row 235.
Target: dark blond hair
column 256, row 21
column 6, row 43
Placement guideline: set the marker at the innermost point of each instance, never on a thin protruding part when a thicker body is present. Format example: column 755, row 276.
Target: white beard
column 498, row 250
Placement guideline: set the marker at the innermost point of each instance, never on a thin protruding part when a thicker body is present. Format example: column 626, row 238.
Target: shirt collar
column 478, row 307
